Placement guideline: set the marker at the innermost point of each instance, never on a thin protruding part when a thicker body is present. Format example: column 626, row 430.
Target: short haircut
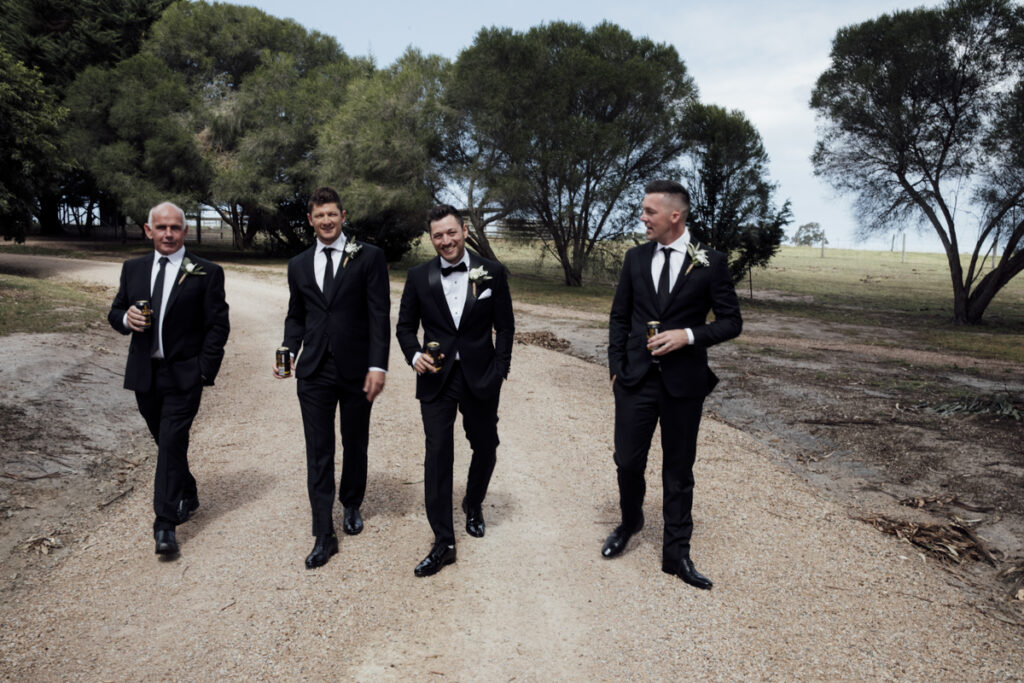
column 669, row 187
column 441, row 211
column 149, row 220
column 321, row 196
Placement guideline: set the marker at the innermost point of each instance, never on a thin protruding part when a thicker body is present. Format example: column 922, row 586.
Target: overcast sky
column 759, row 57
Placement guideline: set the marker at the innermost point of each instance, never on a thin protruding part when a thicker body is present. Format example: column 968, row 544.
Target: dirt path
column 801, row 591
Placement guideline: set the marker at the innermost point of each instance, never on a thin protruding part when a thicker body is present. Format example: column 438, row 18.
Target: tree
column 809, row 234
column 578, row 120
column 732, row 207
column 29, row 124
column 381, row 151
column 921, row 115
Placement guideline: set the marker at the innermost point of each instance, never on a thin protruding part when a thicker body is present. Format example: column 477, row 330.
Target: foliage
column 726, row 171
column 578, row 120
column 809, row 234
column 921, row 115
column 29, row 125
column 380, row 151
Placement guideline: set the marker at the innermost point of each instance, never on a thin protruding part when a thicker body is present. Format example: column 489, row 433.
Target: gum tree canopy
column 921, row 115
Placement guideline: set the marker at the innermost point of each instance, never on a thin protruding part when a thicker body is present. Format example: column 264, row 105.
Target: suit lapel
column 474, row 261
column 175, row 277
column 434, row 283
column 646, row 257
column 339, row 274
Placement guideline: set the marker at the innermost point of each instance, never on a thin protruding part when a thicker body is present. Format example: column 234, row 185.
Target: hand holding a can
column 666, row 342
column 284, row 363
column 137, row 319
column 430, row 359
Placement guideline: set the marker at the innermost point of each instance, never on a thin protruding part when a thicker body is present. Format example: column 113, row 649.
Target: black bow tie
column 448, row 270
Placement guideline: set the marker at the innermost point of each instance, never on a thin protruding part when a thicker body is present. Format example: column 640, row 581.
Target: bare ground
column 803, row 589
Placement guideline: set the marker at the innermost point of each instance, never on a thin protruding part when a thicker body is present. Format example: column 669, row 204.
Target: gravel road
column 802, row 592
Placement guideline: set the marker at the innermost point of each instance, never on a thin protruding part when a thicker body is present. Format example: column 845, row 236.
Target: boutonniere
column 189, row 267
column 351, row 249
column 476, row 276
column 698, row 256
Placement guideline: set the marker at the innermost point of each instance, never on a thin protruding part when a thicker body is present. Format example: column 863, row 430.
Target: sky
column 761, row 58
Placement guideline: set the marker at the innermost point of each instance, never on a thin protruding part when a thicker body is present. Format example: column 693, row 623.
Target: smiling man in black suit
column 460, row 299
column 339, row 315
column 665, row 377
column 172, row 356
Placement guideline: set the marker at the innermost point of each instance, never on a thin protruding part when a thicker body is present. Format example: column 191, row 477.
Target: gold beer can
column 284, row 361
column 147, row 310
column 434, row 351
column 653, row 328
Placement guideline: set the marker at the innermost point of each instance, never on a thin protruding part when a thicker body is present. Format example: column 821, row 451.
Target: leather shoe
column 166, row 544
column 353, row 523
column 688, row 573
column 440, row 555
column 474, row 520
column 617, row 540
column 323, row 549
column 186, row 506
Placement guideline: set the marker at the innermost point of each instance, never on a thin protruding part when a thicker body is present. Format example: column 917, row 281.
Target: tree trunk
column 49, row 214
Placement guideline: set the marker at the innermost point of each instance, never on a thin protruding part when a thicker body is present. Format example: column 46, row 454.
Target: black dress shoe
column 323, row 549
column 617, row 540
column 688, row 573
column 166, row 544
column 474, row 520
column 186, row 506
column 353, row 523
column 440, row 555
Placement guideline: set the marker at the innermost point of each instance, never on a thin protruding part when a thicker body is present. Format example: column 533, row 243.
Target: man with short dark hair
column 658, row 335
column 460, row 299
column 339, row 312
column 174, row 353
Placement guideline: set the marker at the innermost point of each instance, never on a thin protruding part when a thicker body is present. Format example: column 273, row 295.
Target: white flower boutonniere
column 351, row 249
column 189, row 267
column 476, row 276
column 698, row 256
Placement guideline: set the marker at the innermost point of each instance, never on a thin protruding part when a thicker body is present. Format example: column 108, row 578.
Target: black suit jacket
column 355, row 322
column 706, row 288
column 485, row 360
column 195, row 326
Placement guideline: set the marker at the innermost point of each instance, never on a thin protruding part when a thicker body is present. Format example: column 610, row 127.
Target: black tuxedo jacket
column 354, row 322
column 195, row 326
column 706, row 288
column 485, row 360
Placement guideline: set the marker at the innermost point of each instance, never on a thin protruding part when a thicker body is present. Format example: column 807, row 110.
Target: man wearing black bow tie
column 339, row 316
column 665, row 377
column 459, row 298
column 174, row 353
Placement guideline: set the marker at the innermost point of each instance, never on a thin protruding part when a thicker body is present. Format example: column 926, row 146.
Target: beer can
column 653, row 328
column 147, row 310
column 434, row 351
column 284, row 361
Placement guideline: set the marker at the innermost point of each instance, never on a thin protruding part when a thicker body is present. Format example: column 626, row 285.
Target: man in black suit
column 459, row 298
column 339, row 312
column 172, row 355
column 665, row 376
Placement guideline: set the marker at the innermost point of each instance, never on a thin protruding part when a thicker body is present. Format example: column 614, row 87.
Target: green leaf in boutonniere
column 476, row 276
column 189, row 267
column 698, row 256
column 351, row 250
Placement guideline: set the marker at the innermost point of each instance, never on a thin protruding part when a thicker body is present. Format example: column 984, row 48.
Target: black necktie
column 328, row 273
column 158, row 302
column 448, row 270
column 663, row 287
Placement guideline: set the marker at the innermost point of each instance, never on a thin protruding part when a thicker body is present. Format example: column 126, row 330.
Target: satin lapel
column 682, row 279
column 434, row 284
column 174, row 285
column 646, row 256
column 474, row 261
column 339, row 274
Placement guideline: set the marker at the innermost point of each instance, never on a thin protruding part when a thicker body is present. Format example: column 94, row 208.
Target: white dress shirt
column 456, row 289
column 170, row 272
column 675, row 265
column 320, row 259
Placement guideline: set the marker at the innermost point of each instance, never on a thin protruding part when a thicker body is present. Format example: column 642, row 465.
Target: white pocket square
column 483, row 295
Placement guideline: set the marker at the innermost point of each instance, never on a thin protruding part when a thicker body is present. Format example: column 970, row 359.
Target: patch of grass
column 33, row 305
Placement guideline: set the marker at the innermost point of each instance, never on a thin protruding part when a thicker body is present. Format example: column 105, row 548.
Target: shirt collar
column 464, row 259
column 680, row 244
column 174, row 259
column 337, row 245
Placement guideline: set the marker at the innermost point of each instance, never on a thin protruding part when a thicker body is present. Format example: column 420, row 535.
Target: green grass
column 33, row 305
